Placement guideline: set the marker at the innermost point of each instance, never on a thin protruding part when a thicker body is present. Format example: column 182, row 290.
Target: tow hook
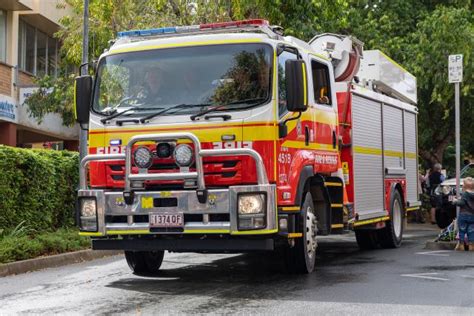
column 128, row 197
column 202, row 196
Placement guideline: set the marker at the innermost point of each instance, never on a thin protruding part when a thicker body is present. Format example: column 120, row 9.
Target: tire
column 443, row 219
column 366, row 239
column 301, row 258
column 144, row 262
column 392, row 234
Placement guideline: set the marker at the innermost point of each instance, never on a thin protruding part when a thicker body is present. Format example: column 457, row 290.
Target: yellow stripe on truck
column 378, row 152
column 183, row 44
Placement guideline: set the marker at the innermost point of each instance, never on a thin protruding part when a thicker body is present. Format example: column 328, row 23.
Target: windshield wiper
column 114, row 111
column 174, row 107
column 253, row 101
column 117, row 114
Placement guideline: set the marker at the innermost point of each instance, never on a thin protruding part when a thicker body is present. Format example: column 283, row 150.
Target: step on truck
column 232, row 137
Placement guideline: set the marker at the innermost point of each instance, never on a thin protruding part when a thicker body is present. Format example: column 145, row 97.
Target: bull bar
column 201, row 201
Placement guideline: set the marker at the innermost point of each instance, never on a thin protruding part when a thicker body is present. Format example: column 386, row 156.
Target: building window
column 3, row 36
column 37, row 52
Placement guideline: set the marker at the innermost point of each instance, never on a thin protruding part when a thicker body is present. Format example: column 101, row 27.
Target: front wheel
column 144, row 262
column 301, row 258
column 391, row 235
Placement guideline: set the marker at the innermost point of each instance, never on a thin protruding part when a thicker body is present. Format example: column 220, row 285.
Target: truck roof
column 127, row 45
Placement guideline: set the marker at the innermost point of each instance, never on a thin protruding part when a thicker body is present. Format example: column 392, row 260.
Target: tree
column 419, row 34
column 107, row 17
column 445, row 31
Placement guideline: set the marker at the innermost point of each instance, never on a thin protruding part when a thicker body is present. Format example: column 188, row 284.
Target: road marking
column 425, row 276
column 440, row 253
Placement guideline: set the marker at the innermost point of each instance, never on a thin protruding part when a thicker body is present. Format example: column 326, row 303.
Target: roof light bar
column 193, row 28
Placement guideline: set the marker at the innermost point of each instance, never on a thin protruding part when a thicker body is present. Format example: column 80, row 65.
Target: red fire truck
column 231, row 137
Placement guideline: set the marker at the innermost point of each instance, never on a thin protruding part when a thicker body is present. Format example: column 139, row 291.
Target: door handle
column 334, row 139
column 306, row 135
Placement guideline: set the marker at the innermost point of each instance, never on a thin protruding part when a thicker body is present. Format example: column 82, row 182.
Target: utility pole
column 84, row 71
column 455, row 76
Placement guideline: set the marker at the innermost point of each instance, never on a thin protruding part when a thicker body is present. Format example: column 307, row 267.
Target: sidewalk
column 432, row 244
column 53, row 261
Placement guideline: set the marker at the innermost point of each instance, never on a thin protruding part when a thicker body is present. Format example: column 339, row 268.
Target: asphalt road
column 408, row 280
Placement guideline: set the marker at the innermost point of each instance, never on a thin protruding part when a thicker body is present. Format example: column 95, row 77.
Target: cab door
column 324, row 116
column 292, row 149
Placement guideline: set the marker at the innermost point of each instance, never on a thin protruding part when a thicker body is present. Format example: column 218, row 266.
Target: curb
column 440, row 245
column 54, row 261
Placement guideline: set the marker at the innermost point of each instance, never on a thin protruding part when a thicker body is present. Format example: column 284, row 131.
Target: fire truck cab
column 231, row 137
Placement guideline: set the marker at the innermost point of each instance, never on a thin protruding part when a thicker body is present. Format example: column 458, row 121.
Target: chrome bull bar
column 198, row 153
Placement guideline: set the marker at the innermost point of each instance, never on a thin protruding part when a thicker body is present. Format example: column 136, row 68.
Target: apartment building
column 28, row 49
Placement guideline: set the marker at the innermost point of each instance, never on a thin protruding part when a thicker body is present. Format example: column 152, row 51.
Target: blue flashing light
column 135, row 33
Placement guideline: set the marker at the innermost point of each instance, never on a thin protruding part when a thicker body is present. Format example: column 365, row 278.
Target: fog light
column 143, row 157
column 247, row 222
column 183, row 155
column 251, row 204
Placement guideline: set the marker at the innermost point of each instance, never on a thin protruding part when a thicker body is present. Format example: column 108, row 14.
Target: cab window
column 284, row 56
column 321, row 83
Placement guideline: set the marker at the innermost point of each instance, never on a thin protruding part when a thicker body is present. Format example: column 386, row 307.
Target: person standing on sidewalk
column 466, row 215
column 435, row 178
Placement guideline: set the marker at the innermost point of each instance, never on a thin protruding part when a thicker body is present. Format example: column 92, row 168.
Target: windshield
column 234, row 76
column 468, row 171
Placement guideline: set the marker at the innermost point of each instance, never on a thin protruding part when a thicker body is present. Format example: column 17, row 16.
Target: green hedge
column 15, row 247
column 37, row 188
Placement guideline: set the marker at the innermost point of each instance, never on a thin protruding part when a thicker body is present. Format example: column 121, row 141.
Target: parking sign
column 455, row 68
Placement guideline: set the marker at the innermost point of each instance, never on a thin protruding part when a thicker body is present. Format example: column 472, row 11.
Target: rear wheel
column 301, row 258
column 144, row 262
column 391, row 235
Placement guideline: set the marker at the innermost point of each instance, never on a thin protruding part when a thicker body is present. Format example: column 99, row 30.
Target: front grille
column 217, row 173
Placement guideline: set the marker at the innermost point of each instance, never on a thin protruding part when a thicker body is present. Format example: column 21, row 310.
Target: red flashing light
column 253, row 22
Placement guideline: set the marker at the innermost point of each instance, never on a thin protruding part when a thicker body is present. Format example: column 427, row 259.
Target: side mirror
column 82, row 98
column 296, row 85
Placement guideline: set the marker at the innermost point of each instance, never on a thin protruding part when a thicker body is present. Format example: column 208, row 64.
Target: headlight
column 88, row 207
column 143, row 157
column 447, row 189
column 183, row 155
column 88, row 214
column 251, row 204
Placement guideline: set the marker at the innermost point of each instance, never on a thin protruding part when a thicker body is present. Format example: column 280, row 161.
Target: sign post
column 455, row 76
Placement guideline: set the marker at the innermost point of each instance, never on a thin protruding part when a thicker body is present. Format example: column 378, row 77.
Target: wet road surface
column 408, row 280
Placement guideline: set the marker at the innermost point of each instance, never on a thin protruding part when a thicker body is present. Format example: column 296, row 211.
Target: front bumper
column 127, row 212
column 185, row 245
column 217, row 216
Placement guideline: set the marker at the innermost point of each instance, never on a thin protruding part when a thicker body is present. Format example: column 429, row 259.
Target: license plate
column 450, row 198
column 167, row 220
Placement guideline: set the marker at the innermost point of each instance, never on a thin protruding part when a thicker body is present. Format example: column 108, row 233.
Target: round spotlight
column 183, row 155
column 143, row 157
column 163, row 150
